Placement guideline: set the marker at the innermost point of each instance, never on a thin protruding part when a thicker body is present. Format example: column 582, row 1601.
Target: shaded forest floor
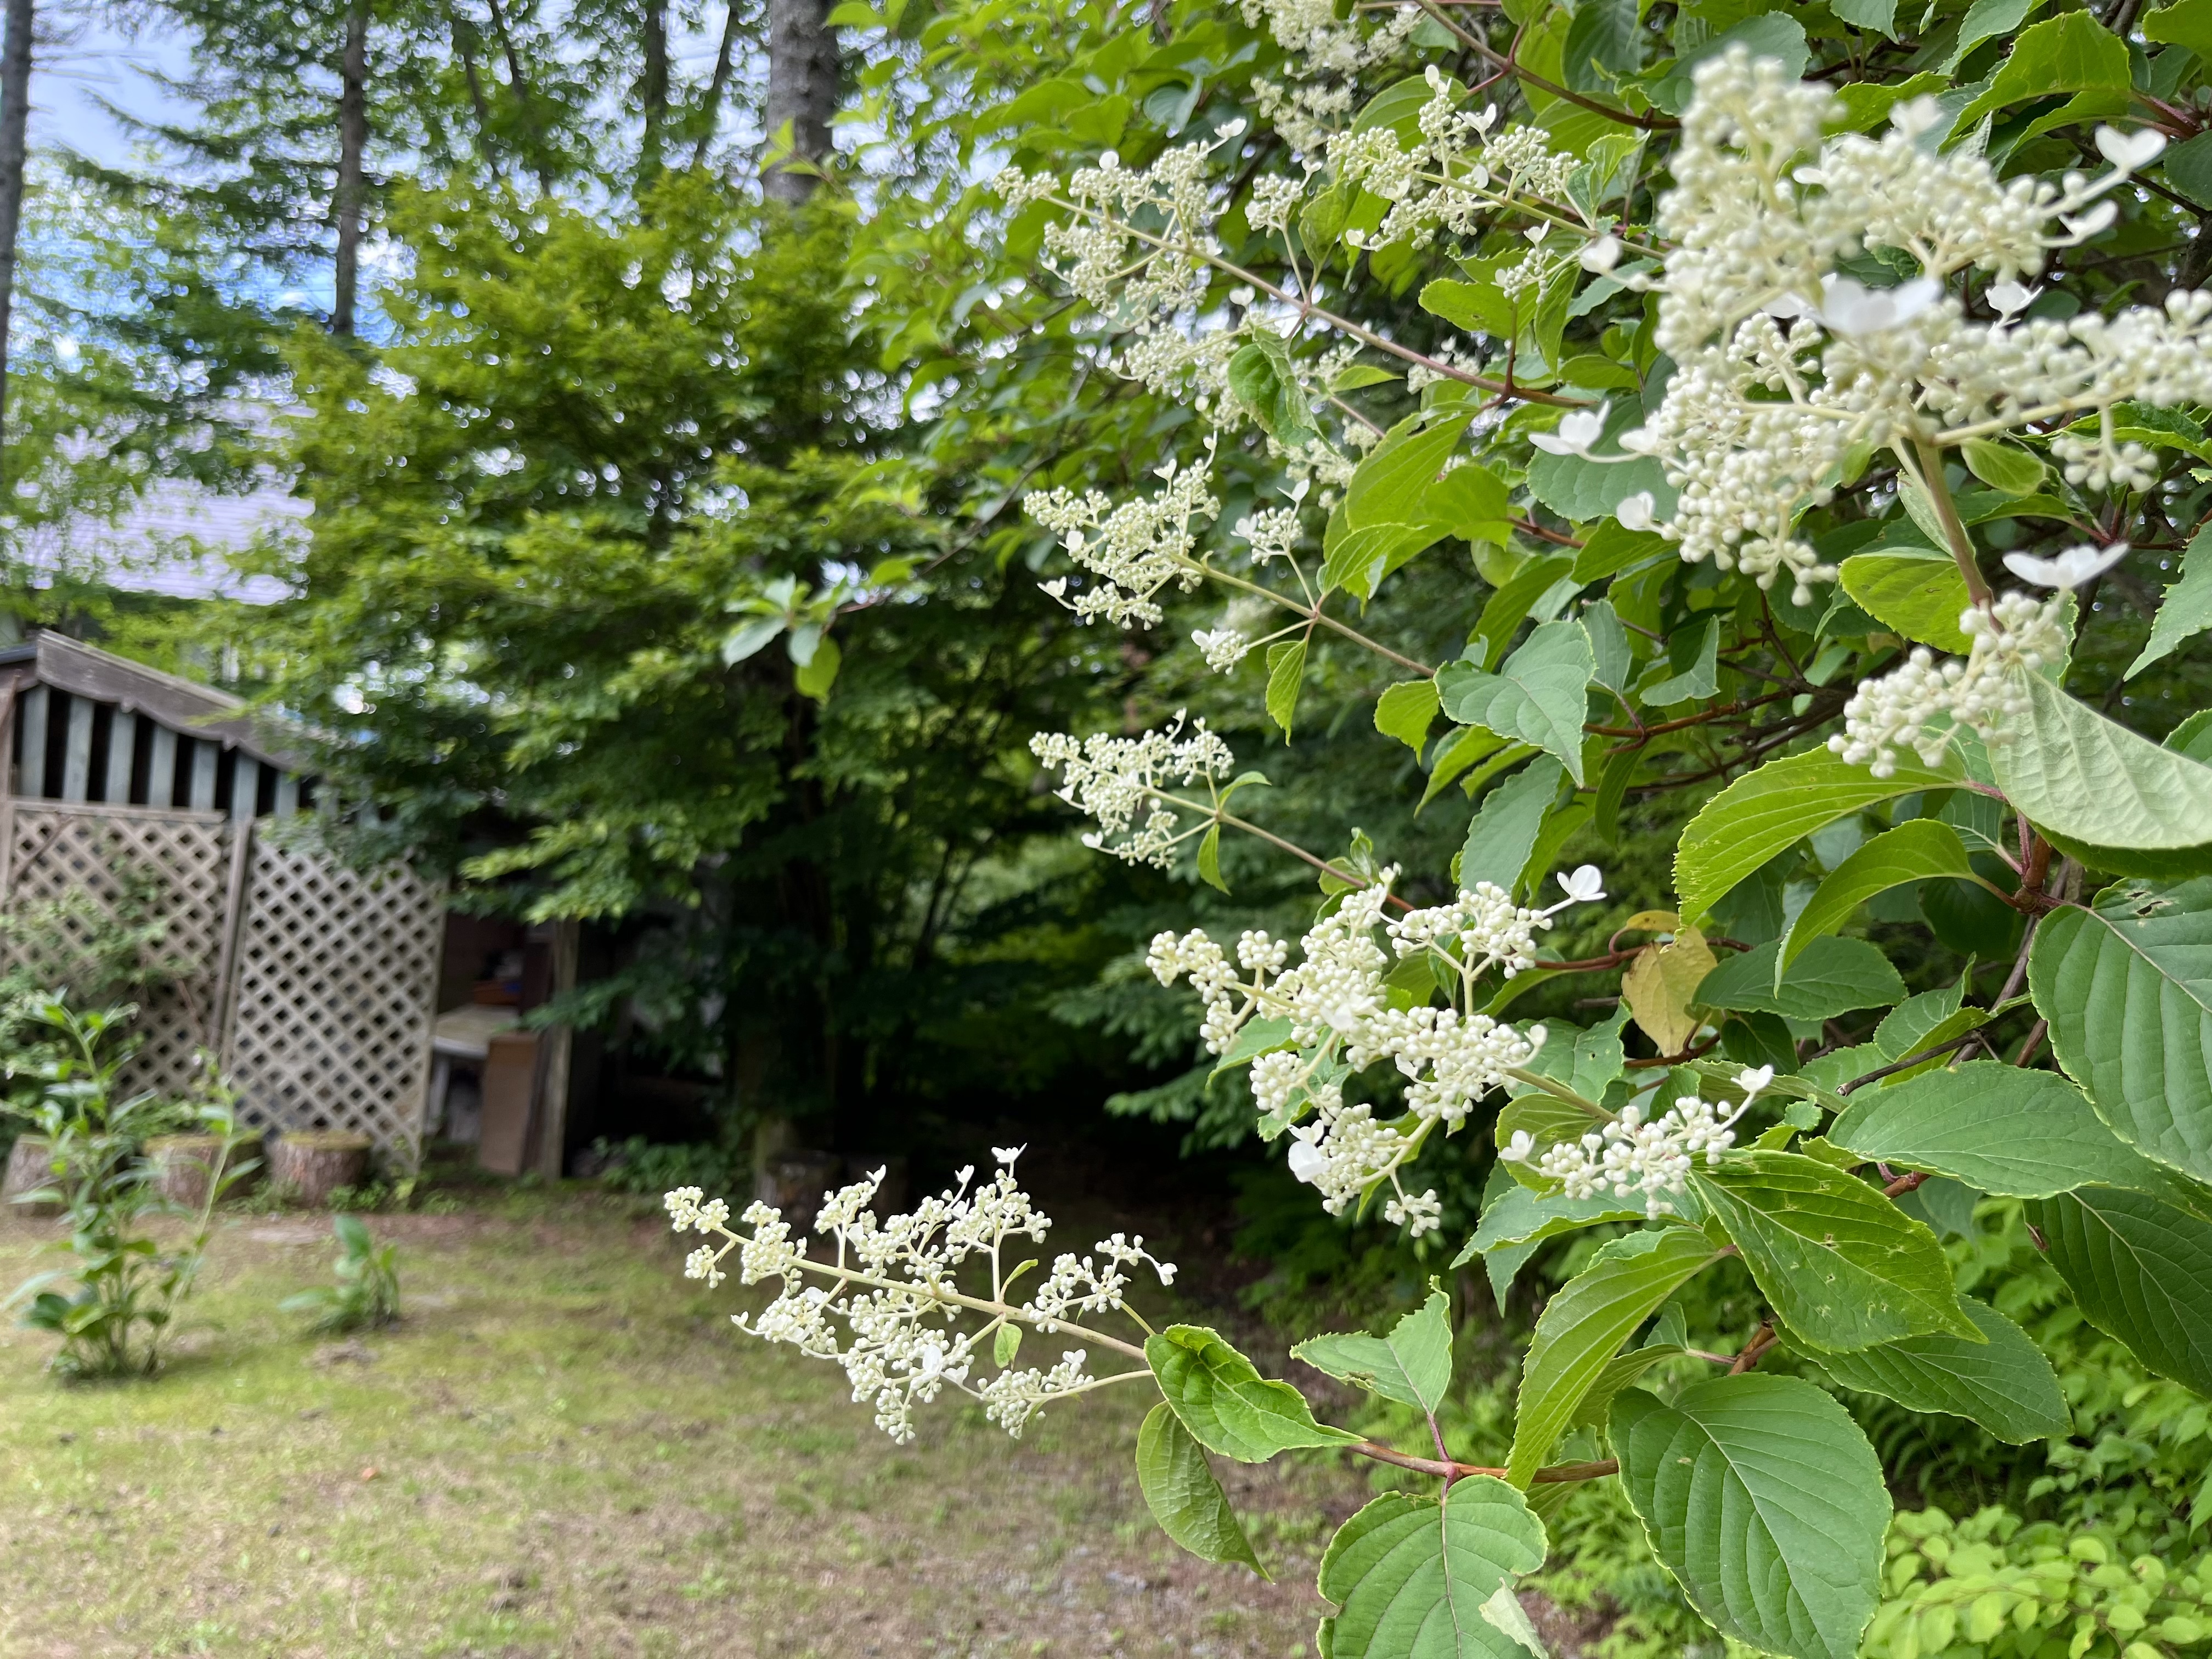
column 564, row 1448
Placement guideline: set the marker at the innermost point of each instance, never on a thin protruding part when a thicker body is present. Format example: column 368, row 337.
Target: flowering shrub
column 1742, row 377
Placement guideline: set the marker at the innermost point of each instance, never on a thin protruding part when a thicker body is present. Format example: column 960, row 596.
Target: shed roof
column 186, row 706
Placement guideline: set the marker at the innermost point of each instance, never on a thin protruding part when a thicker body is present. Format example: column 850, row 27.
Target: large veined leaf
column 1999, row 1129
column 1767, row 1504
column 2089, row 783
column 2127, row 986
column 1183, row 1494
column 1920, row 593
column 1583, row 1325
column 1410, row 1574
column 2004, row 1383
column 1917, row 850
column 1538, row 694
column 1411, row 1366
column 1831, row 976
column 1227, row 1404
column 1844, row 1266
column 1766, row 811
column 2141, row 1270
column 1502, row 834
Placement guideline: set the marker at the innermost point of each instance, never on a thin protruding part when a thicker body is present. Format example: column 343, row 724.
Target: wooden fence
column 313, row 983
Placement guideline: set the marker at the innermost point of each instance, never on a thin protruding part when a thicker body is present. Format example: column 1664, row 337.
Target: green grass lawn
column 565, row 1448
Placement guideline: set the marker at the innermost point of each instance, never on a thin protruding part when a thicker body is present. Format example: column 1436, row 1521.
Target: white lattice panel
column 186, row 858
column 336, row 981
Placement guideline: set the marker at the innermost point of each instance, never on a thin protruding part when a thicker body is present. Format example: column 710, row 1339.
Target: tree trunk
column 15, row 115
column 353, row 141
column 802, row 94
column 652, row 92
column 519, row 84
column 725, row 58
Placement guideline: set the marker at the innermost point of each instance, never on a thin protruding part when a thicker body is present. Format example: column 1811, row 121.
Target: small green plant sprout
column 128, row 1288
column 366, row 1297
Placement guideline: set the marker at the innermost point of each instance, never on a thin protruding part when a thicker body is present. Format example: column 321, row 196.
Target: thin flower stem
column 1558, row 1091
column 1233, row 821
column 1954, row 528
column 1312, row 612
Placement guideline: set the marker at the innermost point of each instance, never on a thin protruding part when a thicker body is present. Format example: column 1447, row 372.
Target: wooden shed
column 313, row 982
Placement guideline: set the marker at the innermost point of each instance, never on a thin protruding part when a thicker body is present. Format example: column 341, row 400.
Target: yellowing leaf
column 1659, row 984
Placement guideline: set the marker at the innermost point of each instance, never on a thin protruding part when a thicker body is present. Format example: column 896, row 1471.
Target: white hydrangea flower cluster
column 1785, row 368
column 1325, row 57
column 893, row 1284
column 1338, row 1004
column 1121, row 781
column 1920, row 704
column 1222, row 648
column 1631, row 1155
column 1134, row 550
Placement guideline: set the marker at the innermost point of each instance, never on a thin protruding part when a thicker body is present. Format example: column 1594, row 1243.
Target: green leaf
column 1920, row 595
column 1398, row 107
column 1255, row 1037
column 1767, row 1505
column 1412, row 1365
column 1999, row 1129
column 1914, row 851
column 2004, row 1383
column 1360, row 376
column 1392, row 484
column 1357, row 560
column 2186, row 610
column 1502, row 835
column 2141, row 1270
column 1582, row 1327
column 1987, row 19
column 748, row 639
column 1227, row 1404
column 1622, row 1371
column 2127, row 986
column 1538, row 695
column 2002, row 466
column 1767, row 811
column 2067, row 53
column 1411, row 1574
column 1461, row 748
column 1286, row 668
column 1005, row 1346
column 1264, row 380
column 1878, row 15
column 1405, row 711
column 1831, row 976
column 1698, row 680
column 1771, row 34
column 1603, row 43
column 1520, row 1215
column 2188, row 167
column 1183, row 1493
column 2084, row 780
column 1844, row 1266
column 1586, row 491
column 1209, row 860
column 1505, row 611
column 2183, row 23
